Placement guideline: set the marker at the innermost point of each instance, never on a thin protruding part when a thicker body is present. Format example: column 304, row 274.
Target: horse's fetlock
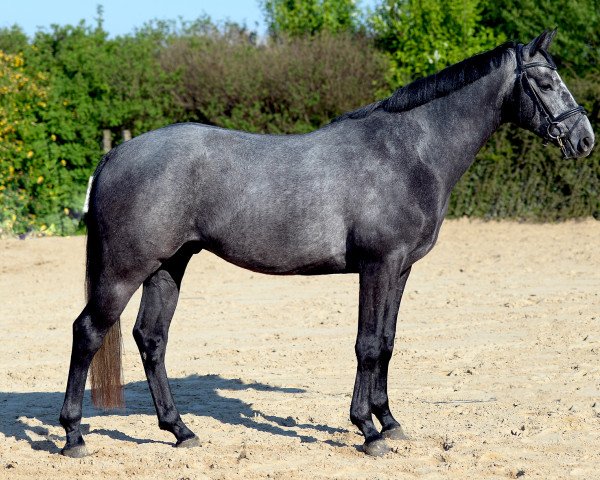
column 380, row 405
column 169, row 420
column 358, row 416
column 69, row 422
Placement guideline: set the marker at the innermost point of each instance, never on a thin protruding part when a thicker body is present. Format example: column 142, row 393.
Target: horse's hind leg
column 89, row 330
column 381, row 287
column 159, row 299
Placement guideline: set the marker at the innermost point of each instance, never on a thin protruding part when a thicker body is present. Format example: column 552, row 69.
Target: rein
column 554, row 130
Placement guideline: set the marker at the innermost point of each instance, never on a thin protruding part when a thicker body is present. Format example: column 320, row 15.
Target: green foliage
column 292, row 85
column 514, row 175
column 90, row 83
column 28, row 177
column 577, row 45
column 307, row 17
column 13, row 40
column 424, row 36
column 61, row 89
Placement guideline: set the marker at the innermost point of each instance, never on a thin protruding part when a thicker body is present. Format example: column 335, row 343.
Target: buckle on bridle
column 554, row 127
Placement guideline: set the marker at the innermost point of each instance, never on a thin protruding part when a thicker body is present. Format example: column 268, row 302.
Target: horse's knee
column 371, row 351
column 368, row 352
column 387, row 346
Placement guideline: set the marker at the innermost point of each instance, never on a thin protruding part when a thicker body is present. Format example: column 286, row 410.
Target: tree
column 308, row 17
column 292, row 85
column 424, row 36
column 577, row 46
column 90, row 83
column 26, row 169
column 13, row 40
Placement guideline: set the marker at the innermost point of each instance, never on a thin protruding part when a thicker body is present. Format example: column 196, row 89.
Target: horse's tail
column 106, row 371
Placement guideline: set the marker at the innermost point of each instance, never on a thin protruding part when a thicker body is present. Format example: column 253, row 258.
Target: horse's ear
column 541, row 43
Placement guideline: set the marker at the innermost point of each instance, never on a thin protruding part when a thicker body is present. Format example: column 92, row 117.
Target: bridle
column 554, row 130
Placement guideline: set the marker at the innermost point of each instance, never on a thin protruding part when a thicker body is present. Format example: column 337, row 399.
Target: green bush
column 424, row 36
column 514, row 175
column 308, row 17
column 88, row 83
column 32, row 184
column 291, row 85
column 62, row 88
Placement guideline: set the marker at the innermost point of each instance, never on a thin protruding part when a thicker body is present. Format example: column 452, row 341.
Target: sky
column 122, row 16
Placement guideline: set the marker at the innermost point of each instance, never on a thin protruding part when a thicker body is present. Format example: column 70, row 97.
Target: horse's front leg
column 381, row 286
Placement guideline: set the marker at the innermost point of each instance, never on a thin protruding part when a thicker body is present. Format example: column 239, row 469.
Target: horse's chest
column 407, row 223
column 425, row 240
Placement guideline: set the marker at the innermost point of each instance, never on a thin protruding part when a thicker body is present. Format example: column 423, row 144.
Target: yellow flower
column 40, row 179
column 29, row 154
column 53, row 137
column 63, row 163
column 11, row 169
column 66, row 210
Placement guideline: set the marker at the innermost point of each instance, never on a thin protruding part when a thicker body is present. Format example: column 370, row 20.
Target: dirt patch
column 495, row 373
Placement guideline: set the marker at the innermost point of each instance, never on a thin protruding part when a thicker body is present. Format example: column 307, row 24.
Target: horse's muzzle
column 585, row 146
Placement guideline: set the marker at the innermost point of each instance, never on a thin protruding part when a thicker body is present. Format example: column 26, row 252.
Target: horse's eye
column 546, row 87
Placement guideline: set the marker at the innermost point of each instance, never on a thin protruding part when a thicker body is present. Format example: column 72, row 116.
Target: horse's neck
column 458, row 125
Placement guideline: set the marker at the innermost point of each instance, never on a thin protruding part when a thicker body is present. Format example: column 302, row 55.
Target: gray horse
column 365, row 194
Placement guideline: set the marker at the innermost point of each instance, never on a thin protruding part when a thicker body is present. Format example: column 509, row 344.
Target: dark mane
column 440, row 84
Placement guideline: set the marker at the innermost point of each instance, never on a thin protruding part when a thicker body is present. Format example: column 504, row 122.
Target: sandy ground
column 496, row 372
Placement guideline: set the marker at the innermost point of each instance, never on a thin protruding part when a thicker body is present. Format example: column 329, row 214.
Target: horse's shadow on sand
column 196, row 395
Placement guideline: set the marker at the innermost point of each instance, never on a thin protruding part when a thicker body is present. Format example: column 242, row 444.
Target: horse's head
column 543, row 102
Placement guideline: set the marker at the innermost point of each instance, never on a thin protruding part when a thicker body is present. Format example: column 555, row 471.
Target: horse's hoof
column 376, row 448
column 77, row 451
column 395, row 433
column 189, row 443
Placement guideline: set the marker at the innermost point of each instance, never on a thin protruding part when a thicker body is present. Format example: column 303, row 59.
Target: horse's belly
column 282, row 254
column 287, row 266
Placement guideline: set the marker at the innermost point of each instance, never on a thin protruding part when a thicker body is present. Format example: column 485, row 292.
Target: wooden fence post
column 106, row 140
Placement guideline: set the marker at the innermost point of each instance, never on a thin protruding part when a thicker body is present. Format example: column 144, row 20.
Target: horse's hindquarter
column 269, row 203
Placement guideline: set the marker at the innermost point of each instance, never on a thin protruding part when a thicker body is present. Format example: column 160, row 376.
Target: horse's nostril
column 584, row 144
